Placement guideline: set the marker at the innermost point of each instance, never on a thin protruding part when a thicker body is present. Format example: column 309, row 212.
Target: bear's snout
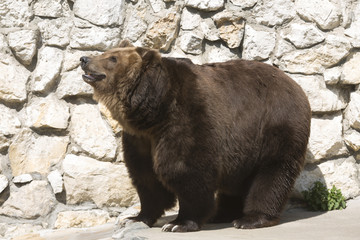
column 84, row 61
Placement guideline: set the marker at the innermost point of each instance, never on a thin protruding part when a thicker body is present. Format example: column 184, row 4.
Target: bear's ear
column 148, row 55
column 125, row 43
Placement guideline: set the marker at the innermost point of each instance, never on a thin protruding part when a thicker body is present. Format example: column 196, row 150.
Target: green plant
column 319, row 198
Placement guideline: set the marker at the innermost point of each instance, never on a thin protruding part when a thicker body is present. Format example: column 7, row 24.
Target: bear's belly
column 234, row 180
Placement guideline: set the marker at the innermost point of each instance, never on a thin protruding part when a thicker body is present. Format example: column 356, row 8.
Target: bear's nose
column 84, row 61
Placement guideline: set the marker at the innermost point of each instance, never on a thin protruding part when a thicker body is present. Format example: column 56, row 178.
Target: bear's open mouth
column 93, row 77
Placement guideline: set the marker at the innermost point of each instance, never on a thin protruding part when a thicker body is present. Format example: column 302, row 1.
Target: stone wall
column 61, row 161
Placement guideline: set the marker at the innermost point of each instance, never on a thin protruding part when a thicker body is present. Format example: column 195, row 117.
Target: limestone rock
column 13, row 231
column 9, row 124
column 352, row 139
column 72, row 84
column 29, row 201
column 23, row 43
column 275, row 12
column 209, row 29
column 47, row 69
column 303, row 35
column 13, row 78
column 321, row 98
column 348, row 12
column 205, row 5
column 231, row 28
column 353, row 30
column 56, row 181
column 337, row 46
column 56, row 32
column 49, row 112
column 29, row 153
column 83, row 24
column 190, row 19
column 104, row 13
column 4, row 182
column 4, row 48
column 91, row 132
column 351, row 70
column 135, row 27
column 326, row 138
column 15, row 13
column 95, row 38
column 157, row 5
column 218, row 53
column 30, row 236
column 23, row 178
column 129, row 212
column 3, row 160
column 129, row 231
column 282, row 47
column 354, row 34
column 315, row 60
column 103, row 183
column 342, row 173
column 162, row 32
column 258, row 44
column 244, row 3
column 81, row 219
column 4, row 143
column 176, row 52
column 191, row 43
column 51, row 8
column 357, row 88
column 352, row 112
column 332, row 75
column 325, row 13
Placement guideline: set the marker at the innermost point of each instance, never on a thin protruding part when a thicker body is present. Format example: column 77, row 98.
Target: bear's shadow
column 291, row 214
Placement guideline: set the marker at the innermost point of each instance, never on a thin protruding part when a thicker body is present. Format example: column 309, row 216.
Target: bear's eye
column 113, row 59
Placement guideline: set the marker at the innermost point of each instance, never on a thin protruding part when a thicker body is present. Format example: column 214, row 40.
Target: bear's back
column 251, row 89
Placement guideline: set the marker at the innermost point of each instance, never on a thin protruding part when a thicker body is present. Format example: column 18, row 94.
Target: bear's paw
column 186, row 226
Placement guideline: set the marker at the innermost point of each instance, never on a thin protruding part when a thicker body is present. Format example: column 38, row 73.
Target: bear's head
column 129, row 80
column 109, row 71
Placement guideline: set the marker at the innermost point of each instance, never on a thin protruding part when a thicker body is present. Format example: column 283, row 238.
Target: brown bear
column 226, row 139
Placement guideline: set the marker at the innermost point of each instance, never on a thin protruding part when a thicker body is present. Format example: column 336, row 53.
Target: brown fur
column 236, row 130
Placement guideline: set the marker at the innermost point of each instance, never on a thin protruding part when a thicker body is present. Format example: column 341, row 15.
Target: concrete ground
column 296, row 224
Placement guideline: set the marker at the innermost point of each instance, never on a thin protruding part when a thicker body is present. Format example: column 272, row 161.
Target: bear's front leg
column 193, row 181
column 154, row 197
column 193, row 212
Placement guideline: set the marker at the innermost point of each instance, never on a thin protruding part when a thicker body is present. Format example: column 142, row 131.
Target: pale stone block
column 104, row 183
column 258, row 44
column 29, row 153
column 325, row 13
column 30, row 201
column 92, row 133
column 23, row 43
column 103, row 13
column 205, row 5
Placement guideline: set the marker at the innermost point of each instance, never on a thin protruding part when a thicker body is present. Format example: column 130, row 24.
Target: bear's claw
column 188, row 226
column 255, row 221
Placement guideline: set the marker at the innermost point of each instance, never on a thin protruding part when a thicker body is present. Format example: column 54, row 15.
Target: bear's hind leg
column 279, row 164
column 268, row 195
